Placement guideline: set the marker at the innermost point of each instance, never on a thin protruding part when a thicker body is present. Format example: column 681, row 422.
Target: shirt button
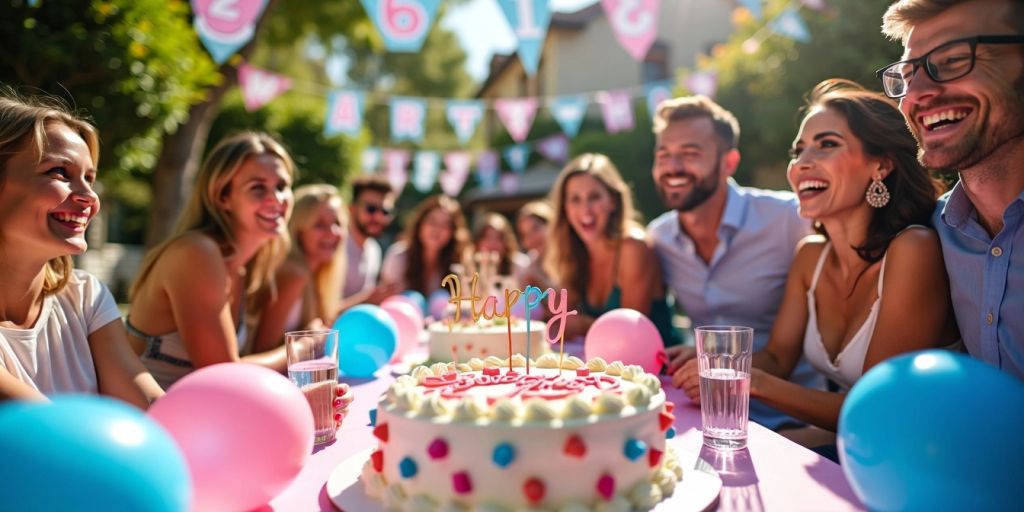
column 988, row 318
column 997, row 252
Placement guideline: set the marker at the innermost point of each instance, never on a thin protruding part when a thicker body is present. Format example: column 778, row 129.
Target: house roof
column 535, row 182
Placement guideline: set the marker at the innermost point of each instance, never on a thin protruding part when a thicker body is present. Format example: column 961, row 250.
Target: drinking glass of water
column 723, row 358
column 313, row 367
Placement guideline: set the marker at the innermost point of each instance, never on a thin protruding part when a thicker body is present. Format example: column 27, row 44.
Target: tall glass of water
column 313, row 367
column 723, row 358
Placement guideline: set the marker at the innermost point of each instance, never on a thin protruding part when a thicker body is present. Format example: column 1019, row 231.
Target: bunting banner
column 617, row 111
column 657, row 93
column 487, row 169
column 789, row 24
column 464, row 116
column 517, row 156
column 403, row 24
column 425, row 168
column 369, row 160
column 815, row 5
column 395, row 162
column 635, row 23
column 509, row 183
column 456, row 171
column 702, row 82
column 554, row 147
column 754, row 6
column 407, row 118
column 225, row 26
column 568, row 112
column 517, row 115
column 259, row 86
column 529, row 20
column 344, row 113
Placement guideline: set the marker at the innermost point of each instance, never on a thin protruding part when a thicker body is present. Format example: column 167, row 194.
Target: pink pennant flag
column 456, row 171
column 554, row 147
column 702, row 82
column 259, row 86
column 395, row 162
column 617, row 110
column 509, row 183
column 635, row 23
column 517, row 115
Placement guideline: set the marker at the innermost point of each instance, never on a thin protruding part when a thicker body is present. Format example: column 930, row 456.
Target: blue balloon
column 84, row 452
column 421, row 301
column 368, row 336
column 934, row 430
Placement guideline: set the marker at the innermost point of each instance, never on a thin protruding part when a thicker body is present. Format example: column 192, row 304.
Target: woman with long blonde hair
column 596, row 249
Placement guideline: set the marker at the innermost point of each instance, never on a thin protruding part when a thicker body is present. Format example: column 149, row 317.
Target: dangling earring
column 877, row 194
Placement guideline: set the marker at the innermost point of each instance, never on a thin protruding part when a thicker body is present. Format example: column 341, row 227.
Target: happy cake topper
column 558, row 306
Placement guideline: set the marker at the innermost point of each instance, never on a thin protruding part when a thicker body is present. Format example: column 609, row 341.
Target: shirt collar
column 735, row 206
column 958, row 207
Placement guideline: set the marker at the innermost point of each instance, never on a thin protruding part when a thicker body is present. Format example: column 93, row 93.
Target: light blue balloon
column 438, row 303
column 421, row 301
column 934, row 430
column 88, row 453
column 368, row 337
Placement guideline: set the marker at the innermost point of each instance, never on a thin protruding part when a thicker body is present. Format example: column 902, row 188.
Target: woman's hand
column 687, row 377
column 343, row 399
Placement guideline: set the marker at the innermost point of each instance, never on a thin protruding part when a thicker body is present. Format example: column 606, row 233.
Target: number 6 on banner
column 402, row 23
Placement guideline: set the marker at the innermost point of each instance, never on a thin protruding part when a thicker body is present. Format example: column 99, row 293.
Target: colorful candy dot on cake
column 469, row 347
column 461, row 483
column 534, row 490
column 493, row 371
column 654, row 457
column 634, row 449
column 377, row 459
column 582, row 372
column 373, row 417
column 669, row 407
column 503, row 455
column 438, row 449
column 575, row 447
column 670, row 433
column 407, row 468
column 606, row 486
column 665, row 419
column 381, row 432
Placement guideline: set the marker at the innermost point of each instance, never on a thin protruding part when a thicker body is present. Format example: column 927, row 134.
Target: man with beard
column 370, row 213
column 725, row 250
column 961, row 90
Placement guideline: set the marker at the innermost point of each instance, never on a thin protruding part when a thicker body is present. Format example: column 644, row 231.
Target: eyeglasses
column 375, row 208
column 943, row 63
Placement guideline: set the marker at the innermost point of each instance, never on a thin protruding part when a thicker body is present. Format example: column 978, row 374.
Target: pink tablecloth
column 771, row 474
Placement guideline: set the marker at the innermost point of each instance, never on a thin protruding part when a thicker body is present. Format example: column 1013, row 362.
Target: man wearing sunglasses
column 961, row 90
column 370, row 213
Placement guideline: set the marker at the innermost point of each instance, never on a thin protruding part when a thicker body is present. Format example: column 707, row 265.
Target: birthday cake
column 485, row 338
column 500, row 435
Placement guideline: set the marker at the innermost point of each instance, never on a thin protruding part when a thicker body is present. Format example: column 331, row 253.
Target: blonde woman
column 60, row 329
column 309, row 282
column 597, row 252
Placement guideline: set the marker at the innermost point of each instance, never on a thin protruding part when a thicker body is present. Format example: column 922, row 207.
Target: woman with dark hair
column 494, row 239
column 872, row 284
column 435, row 238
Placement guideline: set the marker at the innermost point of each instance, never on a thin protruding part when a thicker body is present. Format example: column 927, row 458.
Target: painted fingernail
column 337, row 402
column 337, row 416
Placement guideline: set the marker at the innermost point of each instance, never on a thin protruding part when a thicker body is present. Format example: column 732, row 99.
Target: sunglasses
column 373, row 209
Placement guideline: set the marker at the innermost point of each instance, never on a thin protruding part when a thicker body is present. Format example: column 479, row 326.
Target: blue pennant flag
column 657, row 92
column 487, row 169
column 425, row 168
column 407, row 118
column 754, row 6
column 529, row 20
column 403, row 25
column 344, row 113
column 790, row 24
column 517, row 156
column 464, row 116
column 569, row 111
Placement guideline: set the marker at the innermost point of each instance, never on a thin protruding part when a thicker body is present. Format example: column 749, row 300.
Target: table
column 773, row 473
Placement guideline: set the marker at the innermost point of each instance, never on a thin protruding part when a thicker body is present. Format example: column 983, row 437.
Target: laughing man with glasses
column 961, row 90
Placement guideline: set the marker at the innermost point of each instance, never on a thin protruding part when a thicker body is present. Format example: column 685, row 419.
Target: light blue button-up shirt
column 986, row 279
column 746, row 279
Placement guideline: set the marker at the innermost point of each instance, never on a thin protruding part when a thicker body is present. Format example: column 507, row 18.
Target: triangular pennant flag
column 259, row 86
column 464, row 116
column 529, row 20
column 702, row 82
column 369, row 160
column 407, row 118
column 817, row 5
column 635, row 23
column 658, row 92
column 509, row 183
column 403, row 24
column 344, row 113
column 487, row 169
column 789, row 24
column 456, row 171
column 395, row 161
column 425, row 168
column 617, row 110
column 568, row 111
column 517, row 115
column 517, row 157
column 225, row 27
column 554, row 147
column 754, row 6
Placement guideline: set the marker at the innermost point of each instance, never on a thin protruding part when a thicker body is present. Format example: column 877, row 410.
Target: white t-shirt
column 54, row 355
column 363, row 265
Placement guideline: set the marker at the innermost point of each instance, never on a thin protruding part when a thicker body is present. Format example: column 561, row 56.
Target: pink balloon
column 245, row 431
column 402, row 299
column 409, row 322
column 626, row 335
